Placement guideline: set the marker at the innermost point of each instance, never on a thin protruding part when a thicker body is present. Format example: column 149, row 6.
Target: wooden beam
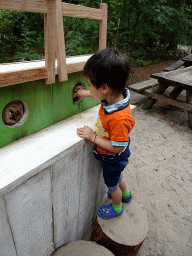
column 50, row 41
column 60, row 44
column 165, row 99
column 39, row 6
column 22, row 76
column 81, row 11
column 170, row 73
column 189, row 113
column 103, row 27
column 75, row 67
column 140, row 87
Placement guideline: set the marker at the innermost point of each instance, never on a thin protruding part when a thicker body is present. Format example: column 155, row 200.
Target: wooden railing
column 54, row 10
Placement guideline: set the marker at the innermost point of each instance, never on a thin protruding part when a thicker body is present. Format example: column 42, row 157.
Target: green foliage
column 144, row 29
column 141, row 63
column 81, row 36
column 21, row 36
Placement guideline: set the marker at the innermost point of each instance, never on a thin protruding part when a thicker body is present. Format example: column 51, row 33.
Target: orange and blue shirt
column 114, row 123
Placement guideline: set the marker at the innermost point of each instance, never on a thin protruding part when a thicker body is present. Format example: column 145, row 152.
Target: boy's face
column 98, row 94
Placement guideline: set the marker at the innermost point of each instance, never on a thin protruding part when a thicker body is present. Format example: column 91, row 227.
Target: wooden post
column 103, row 28
column 50, row 41
column 60, row 44
column 189, row 100
column 160, row 88
column 125, row 234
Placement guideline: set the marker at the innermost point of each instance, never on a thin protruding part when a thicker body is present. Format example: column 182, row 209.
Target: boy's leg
column 116, row 196
column 123, row 185
column 125, row 190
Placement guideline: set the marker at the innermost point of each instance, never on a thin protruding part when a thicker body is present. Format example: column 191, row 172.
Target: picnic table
column 179, row 80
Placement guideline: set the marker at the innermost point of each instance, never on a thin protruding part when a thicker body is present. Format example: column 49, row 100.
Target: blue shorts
column 113, row 165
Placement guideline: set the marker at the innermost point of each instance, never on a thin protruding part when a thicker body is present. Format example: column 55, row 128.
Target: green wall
column 47, row 104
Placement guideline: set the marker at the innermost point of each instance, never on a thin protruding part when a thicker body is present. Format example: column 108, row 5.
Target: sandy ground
column 159, row 175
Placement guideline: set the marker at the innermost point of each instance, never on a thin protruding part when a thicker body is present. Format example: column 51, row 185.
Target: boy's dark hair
column 108, row 66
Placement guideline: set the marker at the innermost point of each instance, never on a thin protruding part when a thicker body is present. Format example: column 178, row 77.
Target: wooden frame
column 54, row 10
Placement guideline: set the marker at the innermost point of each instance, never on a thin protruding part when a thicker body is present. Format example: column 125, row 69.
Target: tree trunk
column 125, row 234
column 84, row 248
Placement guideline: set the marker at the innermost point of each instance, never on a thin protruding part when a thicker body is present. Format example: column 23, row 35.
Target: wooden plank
column 165, row 99
column 29, row 208
column 160, row 89
column 171, row 73
column 75, row 67
column 50, row 42
column 6, row 239
column 67, row 178
column 60, row 44
column 188, row 58
column 39, row 6
column 174, row 66
column 103, row 27
column 81, row 11
column 140, row 87
column 184, row 80
column 189, row 101
column 22, row 76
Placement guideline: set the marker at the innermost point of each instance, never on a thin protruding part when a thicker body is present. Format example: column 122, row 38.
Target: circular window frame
column 23, row 118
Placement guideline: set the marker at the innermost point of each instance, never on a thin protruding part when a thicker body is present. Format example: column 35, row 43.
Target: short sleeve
column 119, row 130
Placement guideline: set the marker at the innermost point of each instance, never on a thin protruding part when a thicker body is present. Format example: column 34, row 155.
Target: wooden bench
column 140, row 87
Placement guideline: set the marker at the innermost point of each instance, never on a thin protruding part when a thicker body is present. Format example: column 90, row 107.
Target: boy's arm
column 87, row 133
column 82, row 93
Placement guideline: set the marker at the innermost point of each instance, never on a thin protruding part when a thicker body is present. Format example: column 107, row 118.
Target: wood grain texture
column 75, row 67
column 50, row 41
column 7, row 246
column 66, row 197
column 189, row 113
column 167, row 100
column 103, row 27
column 22, row 76
column 171, row 73
column 29, row 209
column 183, row 80
column 82, row 248
column 122, row 235
column 140, row 87
column 174, row 66
column 81, row 11
column 60, row 44
column 75, row 190
column 27, row 75
column 39, row 6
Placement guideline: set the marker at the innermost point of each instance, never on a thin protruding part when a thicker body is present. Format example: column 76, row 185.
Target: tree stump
column 125, row 234
column 82, row 248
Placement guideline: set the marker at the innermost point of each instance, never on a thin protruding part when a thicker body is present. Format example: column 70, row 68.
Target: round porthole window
column 15, row 113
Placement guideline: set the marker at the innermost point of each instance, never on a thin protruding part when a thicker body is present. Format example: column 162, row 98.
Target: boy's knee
column 114, row 187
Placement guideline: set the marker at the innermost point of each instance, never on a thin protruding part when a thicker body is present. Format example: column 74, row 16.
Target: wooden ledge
column 26, row 71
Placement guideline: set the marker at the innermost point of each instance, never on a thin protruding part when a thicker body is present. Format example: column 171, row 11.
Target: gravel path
column 159, row 175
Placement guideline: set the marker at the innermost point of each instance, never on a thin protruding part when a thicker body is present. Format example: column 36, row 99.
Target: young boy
column 106, row 73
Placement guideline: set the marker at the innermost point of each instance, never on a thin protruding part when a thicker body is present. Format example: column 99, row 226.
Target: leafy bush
column 144, row 29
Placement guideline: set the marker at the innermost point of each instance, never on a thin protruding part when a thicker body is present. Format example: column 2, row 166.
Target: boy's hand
column 87, row 133
column 81, row 93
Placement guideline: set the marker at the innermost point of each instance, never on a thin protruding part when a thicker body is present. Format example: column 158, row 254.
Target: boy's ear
column 106, row 88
